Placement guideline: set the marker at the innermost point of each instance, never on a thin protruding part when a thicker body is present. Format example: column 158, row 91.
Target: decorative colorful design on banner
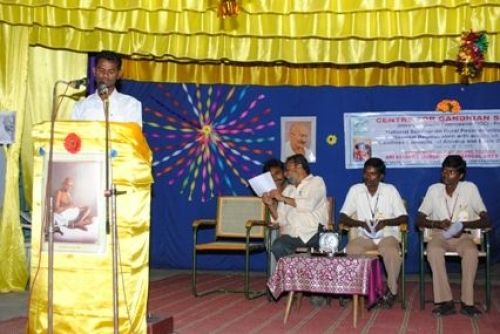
column 204, row 136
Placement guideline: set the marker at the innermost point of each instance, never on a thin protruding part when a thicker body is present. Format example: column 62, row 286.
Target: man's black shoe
column 470, row 310
column 388, row 300
column 385, row 301
column 445, row 308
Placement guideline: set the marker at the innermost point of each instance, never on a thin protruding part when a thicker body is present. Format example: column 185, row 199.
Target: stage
column 170, row 295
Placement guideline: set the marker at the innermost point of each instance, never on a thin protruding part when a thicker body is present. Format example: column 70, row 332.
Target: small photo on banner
column 362, row 148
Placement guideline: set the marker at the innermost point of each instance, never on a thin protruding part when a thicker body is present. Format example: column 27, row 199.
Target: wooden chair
column 481, row 238
column 403, row 228
column 239, row 227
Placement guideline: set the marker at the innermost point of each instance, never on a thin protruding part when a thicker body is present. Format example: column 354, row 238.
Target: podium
column 82, row 271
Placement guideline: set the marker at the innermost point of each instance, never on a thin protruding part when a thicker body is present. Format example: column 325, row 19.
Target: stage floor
column 14, row 305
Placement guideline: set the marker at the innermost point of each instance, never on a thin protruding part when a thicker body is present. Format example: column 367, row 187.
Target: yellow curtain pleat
column 305, row 75
column 255, row 49
column 13, row 74
column 254, row 6
column 293, row 31
column 268, row 18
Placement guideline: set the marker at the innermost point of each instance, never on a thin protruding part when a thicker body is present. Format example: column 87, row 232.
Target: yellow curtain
column 299, row 32
column 27, row 77
column 300, row 75
column 13, row 74
column 45, row 67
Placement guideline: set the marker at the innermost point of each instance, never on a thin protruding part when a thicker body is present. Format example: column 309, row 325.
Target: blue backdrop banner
column 209, row 139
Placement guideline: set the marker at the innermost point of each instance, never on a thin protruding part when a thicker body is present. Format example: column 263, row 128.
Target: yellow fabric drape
column 45, row 67
column 305, row 75
column 27, row 77
column 13, row 74
column 83, row 293
column 329, row 31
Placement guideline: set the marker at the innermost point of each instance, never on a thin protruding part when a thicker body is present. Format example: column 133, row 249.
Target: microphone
column 77, row 83
column 102, row 90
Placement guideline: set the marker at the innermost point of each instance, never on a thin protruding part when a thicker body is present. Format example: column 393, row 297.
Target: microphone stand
column 111, row 224
column 48, row 219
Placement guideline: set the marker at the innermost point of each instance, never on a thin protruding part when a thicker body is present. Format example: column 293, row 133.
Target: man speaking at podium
column 122, row 107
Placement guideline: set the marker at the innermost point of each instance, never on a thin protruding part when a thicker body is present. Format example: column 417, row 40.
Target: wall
column 175, row 105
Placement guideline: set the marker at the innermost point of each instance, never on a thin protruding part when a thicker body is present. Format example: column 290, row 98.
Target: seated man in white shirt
column 377, row 209
column 302, row 208
column 449, row 207
column 122, row 107
column 301, row 211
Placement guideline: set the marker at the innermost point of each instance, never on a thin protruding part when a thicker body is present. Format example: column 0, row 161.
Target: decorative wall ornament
column 72, row 143
column 331, row 139
column 470, row 58
column 208, row 138
column 228, row 8
column 448, row 105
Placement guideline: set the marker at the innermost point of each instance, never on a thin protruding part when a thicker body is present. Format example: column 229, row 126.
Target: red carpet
column 232, row 313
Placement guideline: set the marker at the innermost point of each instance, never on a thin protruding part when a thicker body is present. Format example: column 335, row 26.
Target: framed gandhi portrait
column 77, row 191
column 298, row 136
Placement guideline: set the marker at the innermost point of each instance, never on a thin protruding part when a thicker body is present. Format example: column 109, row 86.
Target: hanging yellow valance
column 329, row 31
column 304, row 75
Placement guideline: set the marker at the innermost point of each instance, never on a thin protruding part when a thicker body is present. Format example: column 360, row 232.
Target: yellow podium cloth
column 83, row 281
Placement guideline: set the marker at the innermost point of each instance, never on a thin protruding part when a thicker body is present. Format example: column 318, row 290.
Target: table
column 349, row 275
